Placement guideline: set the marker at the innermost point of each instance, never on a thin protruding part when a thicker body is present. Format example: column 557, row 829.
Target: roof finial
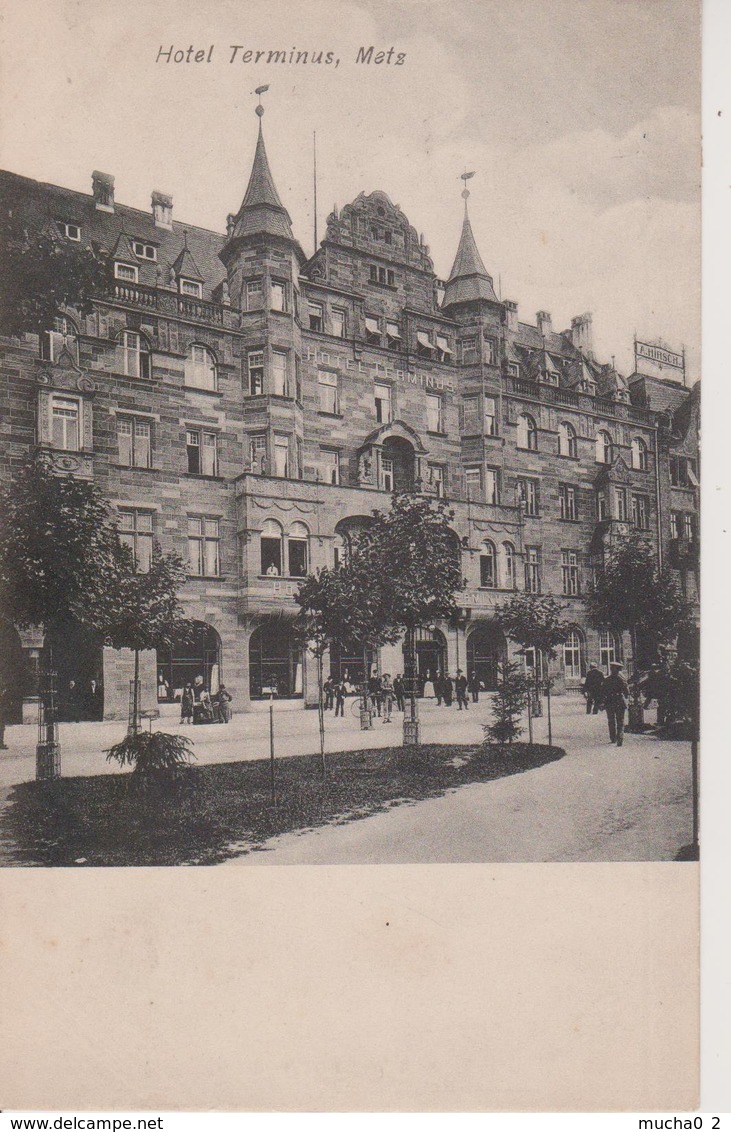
column 465, row 191
column 185, row 238
column 260, row 91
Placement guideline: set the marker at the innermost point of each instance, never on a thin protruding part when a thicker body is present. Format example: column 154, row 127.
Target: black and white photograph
column 349, row 437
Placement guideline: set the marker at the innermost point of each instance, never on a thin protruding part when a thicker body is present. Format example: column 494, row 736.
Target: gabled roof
column 468, row 280
column 123, row 249
column 185, row 266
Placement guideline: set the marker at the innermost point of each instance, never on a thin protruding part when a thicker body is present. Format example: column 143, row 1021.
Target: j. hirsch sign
column 658, row 354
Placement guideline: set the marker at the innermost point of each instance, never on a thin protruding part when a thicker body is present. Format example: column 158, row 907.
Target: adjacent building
column 250, row 407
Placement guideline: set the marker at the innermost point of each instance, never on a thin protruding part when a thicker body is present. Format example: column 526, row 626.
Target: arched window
column 271, row 549
column 134, row 354
column 639, row 454
column 297, row 547
column 610, row 648
column 488, row 574
column 200, row 368
column 567, row 440
column 604, row 448
column 508, row 565
column 573, row 655
column 527, row 432
column 61, row 335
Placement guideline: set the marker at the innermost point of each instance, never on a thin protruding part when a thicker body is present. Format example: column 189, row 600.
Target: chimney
column 102, row 187
column 162, row 210
column 581, row 335
column 543, row 319
column 511, row 315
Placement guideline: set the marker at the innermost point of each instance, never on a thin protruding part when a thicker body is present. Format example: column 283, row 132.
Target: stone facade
column 249, row 407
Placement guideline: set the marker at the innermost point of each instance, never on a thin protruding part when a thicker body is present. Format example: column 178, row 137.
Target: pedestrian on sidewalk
column 461, row 689
column 448, row 690
column 4, row 707
column 374, row 691
column 439, row 688
column 387, row 695
column 223, row 699
column 473, row 685
column 327, row 691
column 615, row 694
column 592, row 689
column 398, row 691
column 186, row 704
column 339, row 694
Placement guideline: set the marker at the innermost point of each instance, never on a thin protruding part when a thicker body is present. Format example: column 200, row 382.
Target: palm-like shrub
column 156, row 757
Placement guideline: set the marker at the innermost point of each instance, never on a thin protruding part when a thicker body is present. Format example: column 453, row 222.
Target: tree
column 535, row 621
column 141, row 610
column 412, row 556
column 632, row 593
column 41, row 272
column 507, row 705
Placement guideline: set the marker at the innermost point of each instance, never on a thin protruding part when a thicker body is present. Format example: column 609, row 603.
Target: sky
column 580, row 118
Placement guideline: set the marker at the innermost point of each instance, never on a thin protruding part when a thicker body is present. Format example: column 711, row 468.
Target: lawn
column 226, row 810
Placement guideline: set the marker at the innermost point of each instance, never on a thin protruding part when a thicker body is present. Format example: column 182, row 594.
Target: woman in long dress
column 429, row 692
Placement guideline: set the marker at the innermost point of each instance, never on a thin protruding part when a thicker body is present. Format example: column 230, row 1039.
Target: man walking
column 398, row 691
column 339, row 690
column 461, row 689
column 474, row 686
column 592, row 689
column 374, row 691
column 387, row 695
column 615, row 694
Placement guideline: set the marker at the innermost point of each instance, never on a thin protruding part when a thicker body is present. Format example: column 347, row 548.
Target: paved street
column 599, row 803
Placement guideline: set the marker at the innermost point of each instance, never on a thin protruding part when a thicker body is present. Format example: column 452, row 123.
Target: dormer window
column 144, row 251
column 70, row 231
column 191, row 288
column 126, row 272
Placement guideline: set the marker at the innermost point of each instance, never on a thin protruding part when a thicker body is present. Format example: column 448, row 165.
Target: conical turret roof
column 468, row 280
column 261, row 211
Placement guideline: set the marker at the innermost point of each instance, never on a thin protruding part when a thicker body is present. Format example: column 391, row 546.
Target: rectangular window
column 280, row 378
column 373, row 273
column 473, row 481
column 327, row 388
column 491, row 351
column 135, row 359
column 254, row 295
column 144, row 251
column 601, row 506
column 258, row 453
column 203, row 547
column 65, row 432
column 281, row 456
column 256, row 372
column 316, row 316
column 640, row 512
column 52, row 342
column 436, row 479
column 337, row 322
column 127, row 272
column 689, row 526
column 329, row 466
column 434, row 421
column 675, row 524
column 372, row 331
column 492, row 485
column 570, row 572
column 490, row 417
column 469, row 349
column 70, row 231
column 567, row 500
column 135, row 531
column 386, row 474
column 382, row 395
column 191, row 289
column 297, row 555
column 443, row 350
column 279, row 296
column 471, row 414
column 393, row 334
column 620, row 504
column 424, row 345
column 528, row 491
column 134, row 446
column 202, row 452
column 532, row 570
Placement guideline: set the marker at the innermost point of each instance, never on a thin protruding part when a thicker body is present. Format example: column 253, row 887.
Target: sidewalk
column 598, row 803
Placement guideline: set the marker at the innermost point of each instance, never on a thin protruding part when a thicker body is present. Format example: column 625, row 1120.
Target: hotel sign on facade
column 659, row 356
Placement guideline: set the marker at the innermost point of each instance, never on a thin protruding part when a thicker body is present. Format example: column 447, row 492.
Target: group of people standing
column 446, row 689
column 609, row 693
column 82, row 701
column 197, row 705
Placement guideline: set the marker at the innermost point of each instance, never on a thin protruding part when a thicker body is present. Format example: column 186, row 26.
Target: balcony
column 169, row 303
